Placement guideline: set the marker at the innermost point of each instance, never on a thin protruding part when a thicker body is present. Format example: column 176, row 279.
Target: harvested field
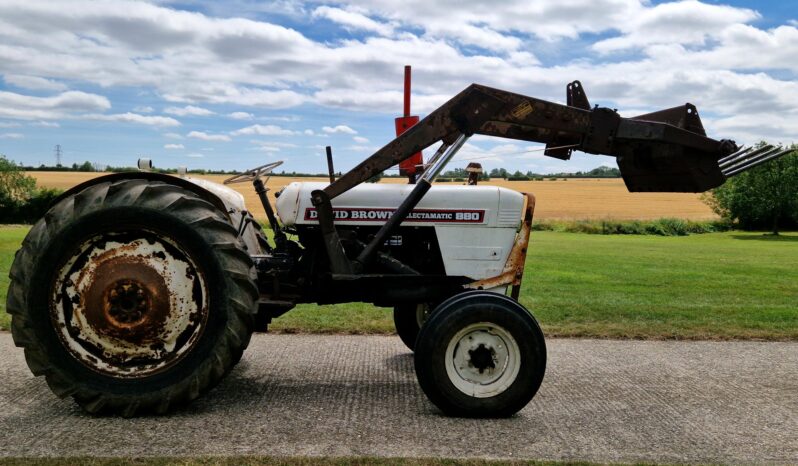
column 570, row 199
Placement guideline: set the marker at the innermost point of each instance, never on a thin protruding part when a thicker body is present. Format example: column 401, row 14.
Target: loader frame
column 661, row 151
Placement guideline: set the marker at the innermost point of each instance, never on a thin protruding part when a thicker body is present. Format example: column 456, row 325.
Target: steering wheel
column 254, row 174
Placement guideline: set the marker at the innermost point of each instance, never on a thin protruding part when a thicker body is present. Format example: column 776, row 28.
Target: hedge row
column 29, row 210
column 660, row 227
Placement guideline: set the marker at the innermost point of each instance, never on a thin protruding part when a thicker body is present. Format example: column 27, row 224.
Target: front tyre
column 480, row 354
column 132, row 296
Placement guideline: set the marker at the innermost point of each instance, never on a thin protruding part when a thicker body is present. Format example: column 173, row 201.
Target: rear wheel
column 408, row 319
column 480, row 354
column 132, row 296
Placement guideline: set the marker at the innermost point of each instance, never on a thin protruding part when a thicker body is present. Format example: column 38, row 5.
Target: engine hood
column 490, row 206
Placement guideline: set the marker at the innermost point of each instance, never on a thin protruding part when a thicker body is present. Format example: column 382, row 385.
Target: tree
column 15, row 185
column 86, row 167
column 15, row 189
column 764, row 197
column 498, row 173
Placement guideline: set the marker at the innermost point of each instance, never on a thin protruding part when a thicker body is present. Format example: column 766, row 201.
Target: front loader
column 138, row 292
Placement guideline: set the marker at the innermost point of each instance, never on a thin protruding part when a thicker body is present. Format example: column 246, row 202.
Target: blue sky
column 239, row 83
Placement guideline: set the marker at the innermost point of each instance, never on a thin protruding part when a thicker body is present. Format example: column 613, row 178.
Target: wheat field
column 556, row 200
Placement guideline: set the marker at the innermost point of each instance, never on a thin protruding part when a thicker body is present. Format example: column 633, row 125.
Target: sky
column 239, row 83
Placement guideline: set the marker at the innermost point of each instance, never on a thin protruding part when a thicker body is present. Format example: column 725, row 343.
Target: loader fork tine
column 743, row 156
column 776, row 153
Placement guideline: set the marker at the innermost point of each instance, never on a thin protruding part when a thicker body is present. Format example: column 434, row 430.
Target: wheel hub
column 126, row 302
column 129, row 304
column 483, row 360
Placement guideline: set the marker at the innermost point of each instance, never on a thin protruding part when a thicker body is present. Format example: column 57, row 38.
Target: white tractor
column 138, row 292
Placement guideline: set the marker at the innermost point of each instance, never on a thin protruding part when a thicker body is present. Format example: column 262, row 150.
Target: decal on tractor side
column 354, row 214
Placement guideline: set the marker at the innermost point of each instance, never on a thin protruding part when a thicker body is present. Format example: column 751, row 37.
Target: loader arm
column 661, row 151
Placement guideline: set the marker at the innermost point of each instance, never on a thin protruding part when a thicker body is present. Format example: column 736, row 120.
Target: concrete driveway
column 603, row 401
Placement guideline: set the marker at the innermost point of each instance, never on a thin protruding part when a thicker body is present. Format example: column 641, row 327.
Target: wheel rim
column 483, row 360
column 129, row 304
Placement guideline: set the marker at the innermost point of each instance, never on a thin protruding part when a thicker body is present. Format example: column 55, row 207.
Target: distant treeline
column 457, row 174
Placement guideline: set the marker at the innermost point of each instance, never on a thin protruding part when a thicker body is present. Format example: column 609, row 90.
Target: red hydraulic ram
column 414, row 165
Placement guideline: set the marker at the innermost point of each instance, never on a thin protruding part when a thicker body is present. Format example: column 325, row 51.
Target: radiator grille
column 509, row 218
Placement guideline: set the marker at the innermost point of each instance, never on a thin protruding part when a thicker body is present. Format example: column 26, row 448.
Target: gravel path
column 603, row 401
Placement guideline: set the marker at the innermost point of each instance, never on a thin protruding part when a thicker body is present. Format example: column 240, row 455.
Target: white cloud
column 188, row 110
column 133, row 118
column 308, row 132
column 352, row 19
column 263, row 130
column 241, row 116
column 195, row 155
column 173, row 146
column 173, row 135
column 503, row 152
column 360, row 139
column 143, row 109
column 34, row 83
column 287, row 118
column 208, row 137
column 338, row 129
column 718, row 57
column 269, row 149
column 9, row 124
column 28, row 107
column 222, row 93
column 46, row 124
column 272, row 143
column 12, row 136
column 686, row 22
column 361, row 148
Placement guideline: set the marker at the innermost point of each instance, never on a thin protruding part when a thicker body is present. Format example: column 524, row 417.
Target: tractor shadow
column 250, row 385
column 401, row 363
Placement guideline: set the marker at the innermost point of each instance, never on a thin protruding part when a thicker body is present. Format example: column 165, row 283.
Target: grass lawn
column 719, row 286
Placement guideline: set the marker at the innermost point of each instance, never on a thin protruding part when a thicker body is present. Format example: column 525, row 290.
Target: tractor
column 138, row 292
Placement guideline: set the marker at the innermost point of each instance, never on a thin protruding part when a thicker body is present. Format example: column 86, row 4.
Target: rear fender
column 251, row 235
column 149, row 176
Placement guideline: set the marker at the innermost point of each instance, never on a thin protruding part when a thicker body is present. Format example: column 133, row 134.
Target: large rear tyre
column 132, row 296
column 408, row 319
column 480, row 354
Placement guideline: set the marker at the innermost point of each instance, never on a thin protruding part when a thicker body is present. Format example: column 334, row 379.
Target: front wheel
column 480, row 354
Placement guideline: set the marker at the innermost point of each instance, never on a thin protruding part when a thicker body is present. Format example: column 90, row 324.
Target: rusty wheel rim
column 129, row 304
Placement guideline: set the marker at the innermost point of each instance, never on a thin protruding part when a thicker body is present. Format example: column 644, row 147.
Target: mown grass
column 10, row 239
column 729, row 285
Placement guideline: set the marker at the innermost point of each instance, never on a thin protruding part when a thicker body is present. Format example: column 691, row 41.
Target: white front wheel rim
column 483, row 360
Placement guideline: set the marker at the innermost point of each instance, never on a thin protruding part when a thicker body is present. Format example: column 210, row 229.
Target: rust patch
column 127, row 300
column 514, row 267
